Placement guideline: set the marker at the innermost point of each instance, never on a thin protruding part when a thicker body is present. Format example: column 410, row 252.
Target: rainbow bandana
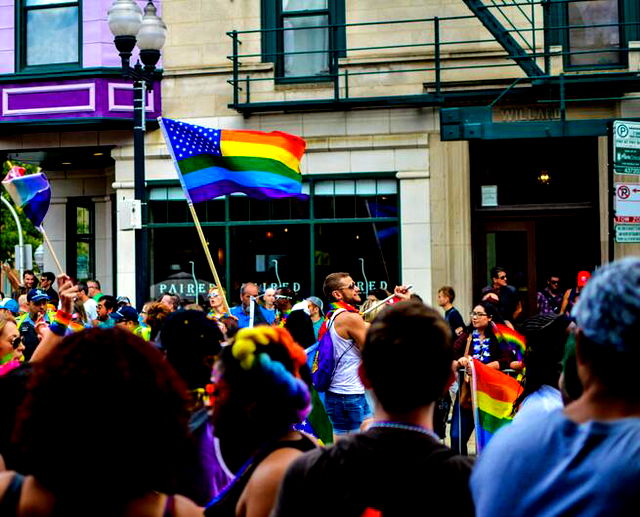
column 333, row 307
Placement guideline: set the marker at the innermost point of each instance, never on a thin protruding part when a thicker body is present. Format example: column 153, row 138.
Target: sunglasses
column 503, row 277
column 352, row 285
column 282, row 297
column 554, row 282
column 16, row 342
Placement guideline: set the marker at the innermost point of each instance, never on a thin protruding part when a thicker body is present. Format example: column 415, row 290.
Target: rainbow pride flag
column 510, row 338
column 214, row 162
column 493, row 395
column 31, row 192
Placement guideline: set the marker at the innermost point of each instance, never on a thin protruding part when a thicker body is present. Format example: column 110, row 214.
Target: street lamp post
column 130, row 25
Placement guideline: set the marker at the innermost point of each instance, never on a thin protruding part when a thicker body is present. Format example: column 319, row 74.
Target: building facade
column 442, row 138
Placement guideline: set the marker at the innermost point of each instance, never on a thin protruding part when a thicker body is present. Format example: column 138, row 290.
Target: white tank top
column 345, row 380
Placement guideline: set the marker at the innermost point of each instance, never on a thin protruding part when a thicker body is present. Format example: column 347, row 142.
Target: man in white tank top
column 345, row 399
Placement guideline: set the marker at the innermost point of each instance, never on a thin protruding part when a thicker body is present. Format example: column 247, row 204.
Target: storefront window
column 345, row 225
column 80, row 238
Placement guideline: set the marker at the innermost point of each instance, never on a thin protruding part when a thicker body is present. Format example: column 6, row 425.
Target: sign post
column 626, row 147
column 626, row 196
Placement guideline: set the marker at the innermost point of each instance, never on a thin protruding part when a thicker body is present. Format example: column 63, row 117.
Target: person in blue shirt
column 583, row 459
column 248, row 296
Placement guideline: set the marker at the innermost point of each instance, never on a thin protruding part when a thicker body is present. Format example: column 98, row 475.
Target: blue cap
column 316, row 301
column 37, row 295
column 608, row 310
column 11, row 305
column 125, row 313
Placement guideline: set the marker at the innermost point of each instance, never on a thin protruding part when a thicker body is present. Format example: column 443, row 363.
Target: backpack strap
column 11, row 498
column 333, row 317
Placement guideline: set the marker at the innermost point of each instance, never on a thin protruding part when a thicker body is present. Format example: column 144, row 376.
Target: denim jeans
column 346, row 412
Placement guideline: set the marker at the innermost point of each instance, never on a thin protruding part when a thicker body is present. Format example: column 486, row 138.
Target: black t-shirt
column 53, row 297
column 399, row 472
column 454, row 319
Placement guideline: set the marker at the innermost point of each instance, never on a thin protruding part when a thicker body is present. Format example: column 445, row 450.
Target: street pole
column 20, row 239
column 141, row 236
column 131, row 27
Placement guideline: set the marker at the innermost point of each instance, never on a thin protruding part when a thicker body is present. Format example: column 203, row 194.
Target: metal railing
column 433, row 51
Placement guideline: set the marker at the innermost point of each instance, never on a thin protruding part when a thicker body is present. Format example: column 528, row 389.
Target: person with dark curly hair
column 101, row 432
column 262, row 390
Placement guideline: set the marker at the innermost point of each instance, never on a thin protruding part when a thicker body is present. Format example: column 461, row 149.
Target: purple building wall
column 84, row 97
column 74, row 98
column 7, row 37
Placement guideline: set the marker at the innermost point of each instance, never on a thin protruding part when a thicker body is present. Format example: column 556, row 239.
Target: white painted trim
column 90, row 87
column 123, row 107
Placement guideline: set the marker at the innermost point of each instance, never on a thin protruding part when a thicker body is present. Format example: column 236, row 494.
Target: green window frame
column 559, row 31
column 81, row 238
column 63, row 19
column 275, row 21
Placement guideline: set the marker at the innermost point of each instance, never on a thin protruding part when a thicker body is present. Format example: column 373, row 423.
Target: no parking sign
column 627, row 203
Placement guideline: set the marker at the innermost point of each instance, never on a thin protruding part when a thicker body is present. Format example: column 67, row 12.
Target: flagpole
column 382, row 302
column 195, row 217
column 53, row 253
column 208, row 254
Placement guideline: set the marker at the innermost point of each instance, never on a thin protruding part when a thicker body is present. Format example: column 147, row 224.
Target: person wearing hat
column 126, row 317
column 37, row 303
column 9, row 305
column 570, row 297
column 315, row 313
column 582, row 460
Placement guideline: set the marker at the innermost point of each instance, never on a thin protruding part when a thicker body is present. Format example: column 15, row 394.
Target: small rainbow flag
column 214, row 162
column 493, row 395
column 31, row 192
column 512, row 339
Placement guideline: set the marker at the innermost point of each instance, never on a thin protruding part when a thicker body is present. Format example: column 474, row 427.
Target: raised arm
column 54, row 334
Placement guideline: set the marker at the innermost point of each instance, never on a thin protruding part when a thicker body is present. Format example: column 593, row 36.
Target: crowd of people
column 186, row 410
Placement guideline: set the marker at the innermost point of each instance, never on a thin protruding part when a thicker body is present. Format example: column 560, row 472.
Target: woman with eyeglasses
column 479, row 342
column 11, row 346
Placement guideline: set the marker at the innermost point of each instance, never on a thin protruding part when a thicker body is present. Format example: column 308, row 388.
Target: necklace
column 406, row 427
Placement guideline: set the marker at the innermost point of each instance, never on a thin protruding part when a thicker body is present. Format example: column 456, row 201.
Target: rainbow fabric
column 510, row 338
column 214, row 162
column 334, row 306
column 31, row 192
column 493, row 395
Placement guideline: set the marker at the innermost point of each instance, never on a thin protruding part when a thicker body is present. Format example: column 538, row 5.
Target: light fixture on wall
column 544, row 178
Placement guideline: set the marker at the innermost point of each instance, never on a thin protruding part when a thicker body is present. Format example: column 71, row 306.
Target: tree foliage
column 8, row 228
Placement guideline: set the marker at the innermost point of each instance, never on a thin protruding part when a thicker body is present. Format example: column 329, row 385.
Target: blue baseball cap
column 10, row 305
column 317, row 302
column 37, row 295
column 125, row 313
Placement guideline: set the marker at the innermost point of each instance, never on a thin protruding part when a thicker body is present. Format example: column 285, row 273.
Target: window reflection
column 45, row 26
column 584, row 39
